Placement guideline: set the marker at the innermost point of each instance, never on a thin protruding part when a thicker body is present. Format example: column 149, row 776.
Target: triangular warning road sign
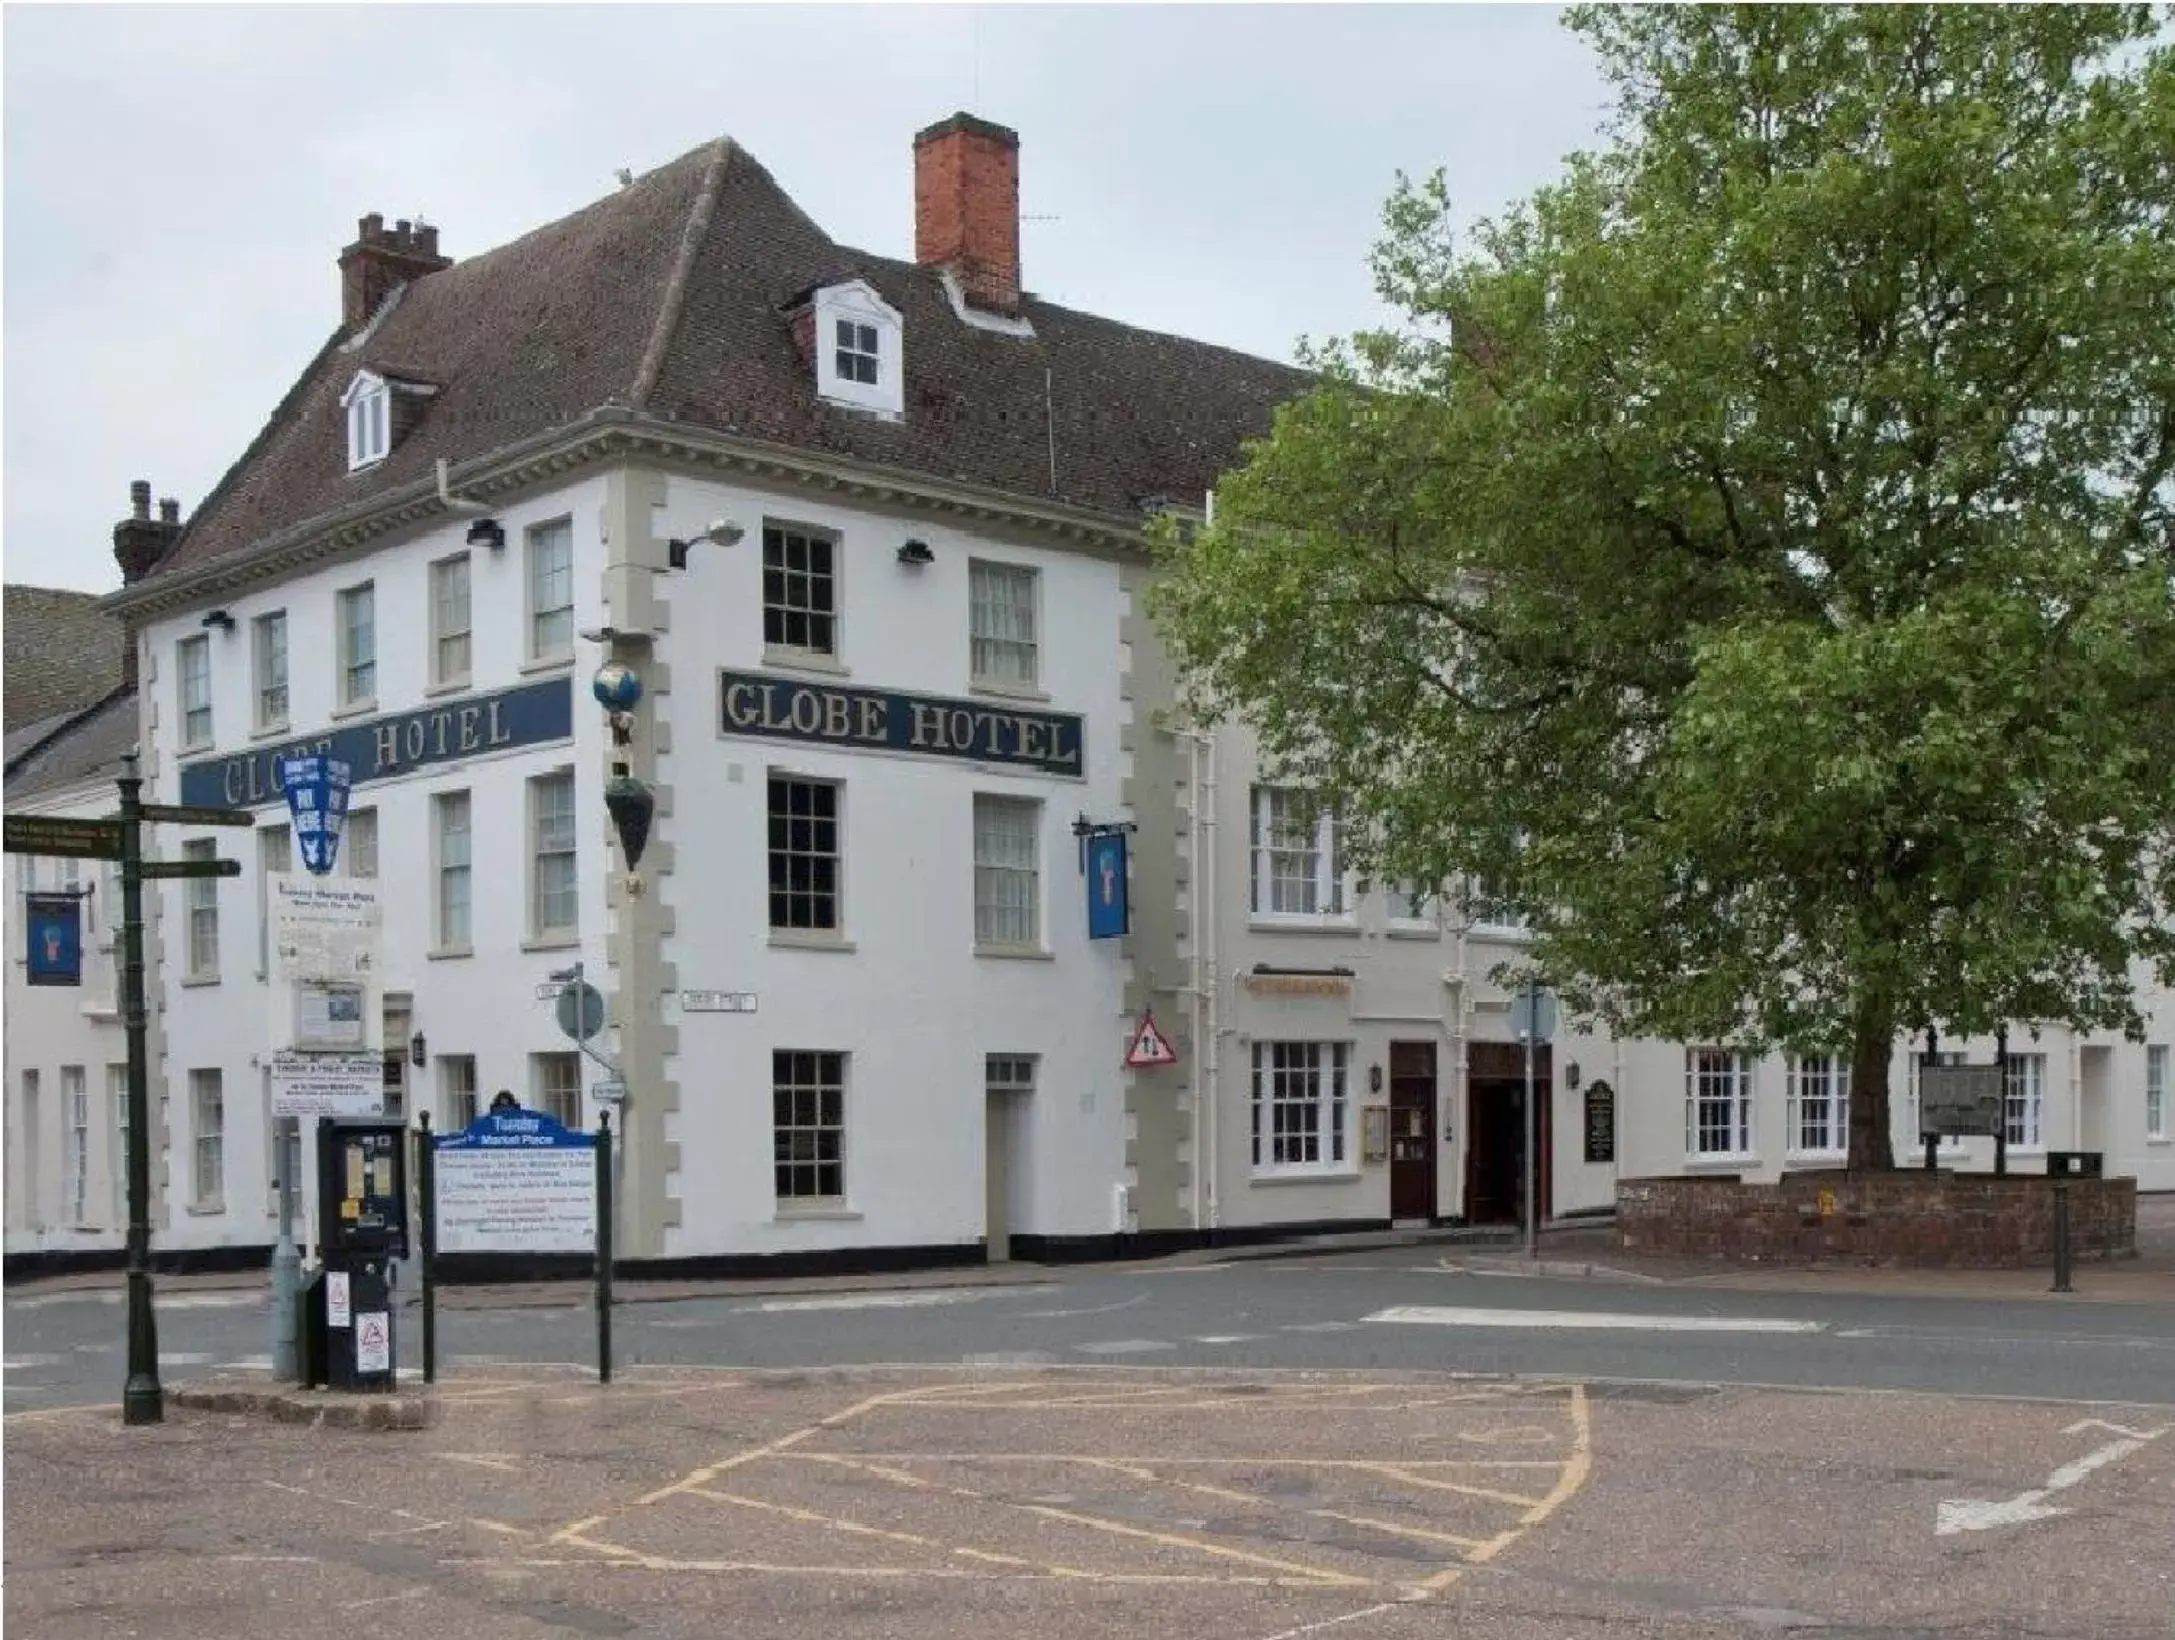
column 1150, row 1046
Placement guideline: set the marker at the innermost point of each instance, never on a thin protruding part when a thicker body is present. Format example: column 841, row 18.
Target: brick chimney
column 381, row 259
column 967, row 208
column 139, row 543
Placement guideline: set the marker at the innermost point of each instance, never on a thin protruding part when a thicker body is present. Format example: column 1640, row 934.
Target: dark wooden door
column 1495, row 1132
column 1412, row 1130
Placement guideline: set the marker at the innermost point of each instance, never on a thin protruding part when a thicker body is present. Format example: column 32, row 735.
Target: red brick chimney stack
column 139, row 542
column 381, row 259
column 967, row 208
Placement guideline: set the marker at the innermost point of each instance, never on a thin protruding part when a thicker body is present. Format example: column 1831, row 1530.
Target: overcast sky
column 180, row 179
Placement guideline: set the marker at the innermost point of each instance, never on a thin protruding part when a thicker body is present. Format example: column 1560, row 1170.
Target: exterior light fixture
column 487, row 532
column 221, row 619
column 722, row 532
column 916, row 553
column 418, row 1053
column 631, row 806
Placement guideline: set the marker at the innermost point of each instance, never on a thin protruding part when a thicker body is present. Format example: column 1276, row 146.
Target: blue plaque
column 1109, row 902
column 55, row 922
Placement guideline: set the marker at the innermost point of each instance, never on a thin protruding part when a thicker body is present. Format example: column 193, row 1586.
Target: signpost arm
column 426, row 1174
column 142, row 1401
column 604, row 1246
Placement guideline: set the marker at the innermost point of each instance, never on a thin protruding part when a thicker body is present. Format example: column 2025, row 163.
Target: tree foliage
column 1755, row 552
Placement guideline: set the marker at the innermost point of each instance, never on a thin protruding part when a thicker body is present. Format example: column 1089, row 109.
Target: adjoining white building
column 871, row 534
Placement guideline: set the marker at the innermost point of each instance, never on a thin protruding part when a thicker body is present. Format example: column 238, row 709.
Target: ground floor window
column 558, row 1078
column 808, row 1125
column 2026, row 1085
column 1299, row 1106
column 1717, row 1103
column 1819, row 1105
column 2156, row 1092
column 208, row 1119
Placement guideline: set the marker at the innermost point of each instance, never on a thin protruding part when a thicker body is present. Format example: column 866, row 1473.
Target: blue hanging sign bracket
column 55, row 926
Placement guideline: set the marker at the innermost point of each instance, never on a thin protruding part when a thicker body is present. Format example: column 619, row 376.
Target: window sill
column 356, row 708
column 1716, row 1162
column 1258, row 924
column 2161, row 1139
column 1498, row 931
column 1411, row 931
column 814, row 1215
column 796, row 939
column 1015, row 953
column 194, row 980
column 805, row 660
column 452, row 686
column 1007, row 691
column 546, row 663
column 192, row 747
column 1814, row 1160
column 447, row 953
column 1340, row 1175
column 205, row 1210
column 270, row 731
column 553, row 942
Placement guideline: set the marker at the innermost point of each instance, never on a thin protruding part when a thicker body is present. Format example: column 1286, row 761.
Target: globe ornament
column 617, row 686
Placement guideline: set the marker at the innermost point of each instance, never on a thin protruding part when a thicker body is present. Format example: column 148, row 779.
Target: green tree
column 1753, row 552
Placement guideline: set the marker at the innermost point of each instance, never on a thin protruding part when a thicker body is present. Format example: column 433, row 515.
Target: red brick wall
column 1961, row 1220
column 967, row 208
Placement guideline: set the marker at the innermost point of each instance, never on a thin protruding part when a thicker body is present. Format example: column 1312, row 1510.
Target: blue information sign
column 515, row 1181
column 316, row 789
column 55, row 922
column 1109, row 902
column 516, row 1128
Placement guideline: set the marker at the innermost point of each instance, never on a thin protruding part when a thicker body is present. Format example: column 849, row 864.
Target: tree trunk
column 1873, row 1043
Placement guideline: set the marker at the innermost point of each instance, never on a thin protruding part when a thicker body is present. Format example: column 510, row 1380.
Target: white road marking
column 1323, row 1326
column 181, row 1358
column 1092, row 1309
column 1124, row 1346
column 882, row 1301
column 1437, row 1315
column 25, row 1363
column 1955, row 1515
column 208, row 1301
column 1226, row 1338
column 249, row 1363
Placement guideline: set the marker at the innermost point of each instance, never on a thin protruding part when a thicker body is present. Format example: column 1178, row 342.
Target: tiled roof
column 63, row 653
column 603, row 307
column 92, row 745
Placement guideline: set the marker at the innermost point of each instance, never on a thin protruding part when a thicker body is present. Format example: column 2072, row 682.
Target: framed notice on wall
column 1600, row 1122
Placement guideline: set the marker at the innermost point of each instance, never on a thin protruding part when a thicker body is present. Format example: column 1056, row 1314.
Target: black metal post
column 2001, row 1132
column 604, row 1247
column 1931, row 1141
column 142, row 1401
column 2061, row 1236
column 426, row 1174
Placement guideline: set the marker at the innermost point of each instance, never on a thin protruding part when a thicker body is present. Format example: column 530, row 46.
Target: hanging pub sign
column 1109, row 902
column 316, row 788
column 55, row 924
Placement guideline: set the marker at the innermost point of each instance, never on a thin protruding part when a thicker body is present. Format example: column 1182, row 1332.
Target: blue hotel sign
column 973, row 731
column 399, row 743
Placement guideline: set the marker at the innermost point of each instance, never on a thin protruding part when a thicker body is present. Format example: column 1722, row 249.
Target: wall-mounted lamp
column 487, row 532
column 221, row 619
column 722, row 532
column 916, row 553
column 1374, row 1078
column 1571, row 1075
column 418, row 1056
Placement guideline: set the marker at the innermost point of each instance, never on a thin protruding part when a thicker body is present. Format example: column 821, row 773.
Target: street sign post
column 1533, row 1018
column 119, row 837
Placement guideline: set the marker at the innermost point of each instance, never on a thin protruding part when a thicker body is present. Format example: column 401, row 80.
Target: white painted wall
column 50, row 1028
column 481, row 1004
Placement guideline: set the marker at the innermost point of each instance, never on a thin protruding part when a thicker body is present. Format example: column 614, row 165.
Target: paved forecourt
column 1100, row 1502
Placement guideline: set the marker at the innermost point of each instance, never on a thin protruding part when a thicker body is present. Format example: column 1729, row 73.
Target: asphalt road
column 1381, row 1312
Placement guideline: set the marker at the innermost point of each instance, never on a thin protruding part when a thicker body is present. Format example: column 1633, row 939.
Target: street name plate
column 718, row 1002
column 63, row 836
column 1960, row 1100
column 182, row 814
column 192, row 868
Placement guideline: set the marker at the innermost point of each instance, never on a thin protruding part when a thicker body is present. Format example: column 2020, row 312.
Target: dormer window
column 857, row 352
column 369, row 405
column 855, row 337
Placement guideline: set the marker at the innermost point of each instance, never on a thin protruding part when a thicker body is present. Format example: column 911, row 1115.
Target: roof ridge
column 674, row 301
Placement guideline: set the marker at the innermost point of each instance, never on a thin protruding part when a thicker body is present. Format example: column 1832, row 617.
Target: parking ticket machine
column 362, row 1204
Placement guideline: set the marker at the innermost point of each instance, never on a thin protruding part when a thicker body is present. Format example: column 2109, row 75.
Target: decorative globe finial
column 617, row 686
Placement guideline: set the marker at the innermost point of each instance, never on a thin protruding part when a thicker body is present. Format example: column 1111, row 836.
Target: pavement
column 1128, row 1503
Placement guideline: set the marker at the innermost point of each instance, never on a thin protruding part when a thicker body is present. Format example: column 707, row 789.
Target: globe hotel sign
column 972, row 731
column 399, row 743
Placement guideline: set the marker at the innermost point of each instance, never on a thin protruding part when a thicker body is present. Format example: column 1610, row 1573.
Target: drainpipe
column 1211, row 956
column 455, row 503
column 1460, row 1106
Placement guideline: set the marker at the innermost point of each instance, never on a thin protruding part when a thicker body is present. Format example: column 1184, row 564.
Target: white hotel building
column 870, row 532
